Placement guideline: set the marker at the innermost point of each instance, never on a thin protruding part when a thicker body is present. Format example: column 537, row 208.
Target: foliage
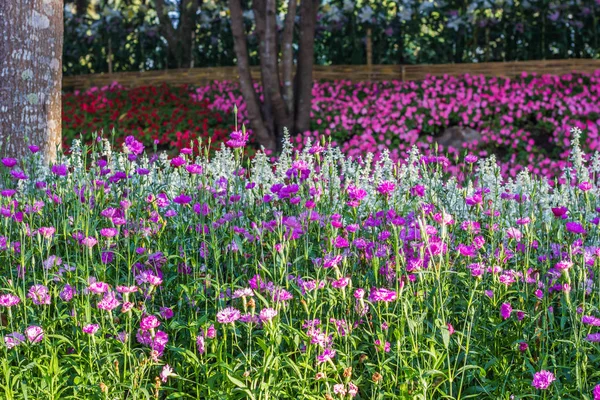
column 129, row 277
column 403, row 31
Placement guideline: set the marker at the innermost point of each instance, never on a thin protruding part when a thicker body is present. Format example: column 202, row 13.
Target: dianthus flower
column 542, row 379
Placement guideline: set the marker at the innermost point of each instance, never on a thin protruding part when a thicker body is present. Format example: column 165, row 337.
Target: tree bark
column 266, row 29
column 179, row 40
column 306, row 54
column 30, row 76
column 264, row 137
column 287, row 56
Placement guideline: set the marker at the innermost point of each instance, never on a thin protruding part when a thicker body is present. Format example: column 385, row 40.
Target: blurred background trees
column 134, row 35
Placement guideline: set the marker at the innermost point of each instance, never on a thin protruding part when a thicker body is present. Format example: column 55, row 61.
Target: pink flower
column 267, row 314
column 149, row 322
column 13, row 339
column 9, row 300
column 98, row 287
column 340, row 389
column 109, row 302
column 34, row 333
column 200, row 344
column 542, row 379
column 91, row 329
column 228, row 315
column 166, row 372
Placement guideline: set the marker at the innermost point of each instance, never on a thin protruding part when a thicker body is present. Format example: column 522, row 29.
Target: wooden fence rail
column 355, row 73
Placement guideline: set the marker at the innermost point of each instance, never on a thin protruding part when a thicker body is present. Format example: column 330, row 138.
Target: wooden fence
column 355, row 73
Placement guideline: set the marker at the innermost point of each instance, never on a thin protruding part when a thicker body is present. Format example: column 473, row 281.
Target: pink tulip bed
column 132, row 276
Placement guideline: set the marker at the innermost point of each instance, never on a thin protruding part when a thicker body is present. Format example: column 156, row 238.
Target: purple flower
column 542, row 379
column 91, row 329
column 166, row 313
column 39, row 295
column 182, row 199
column 149, row 322
column 505, row 310
column 66, row 294
column 327, row 355
column 194, row 169
column 34, row 333
column 593, row 337
column 9, row 162
column 60, row 170
column 590, row 320
column 13, row 339
column 228, row 315
column 575, row 227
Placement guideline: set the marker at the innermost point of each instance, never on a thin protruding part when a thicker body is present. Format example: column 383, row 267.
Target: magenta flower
column 98, row 287
column 382, row 294
column 166, row 312
column 327, row 355
column 505, row 310
column 109, row 302
column 542, row 379
column 34, row 333
column 523, row 346
column 211, row 332
column 133, row 146
column 109, row 232
column 91, row 329
column 149, row 322
column 66, row 294
column 9, row 162
column 228, row 315
column 60, row 170
column 89, row 242
column 575, row 227
column 386, row 188
column 237, row 139
column 596, row 392
column 9, row 300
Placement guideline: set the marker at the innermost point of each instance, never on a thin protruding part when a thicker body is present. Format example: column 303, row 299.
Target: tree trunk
column 30, row 76
column 179, row 41
column 264, row 137
column 306, row 54
column 287, row 57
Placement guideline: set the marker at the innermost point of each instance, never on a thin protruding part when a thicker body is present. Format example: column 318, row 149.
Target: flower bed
column 525, row 122
column 195, row 278
column 165, row 115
